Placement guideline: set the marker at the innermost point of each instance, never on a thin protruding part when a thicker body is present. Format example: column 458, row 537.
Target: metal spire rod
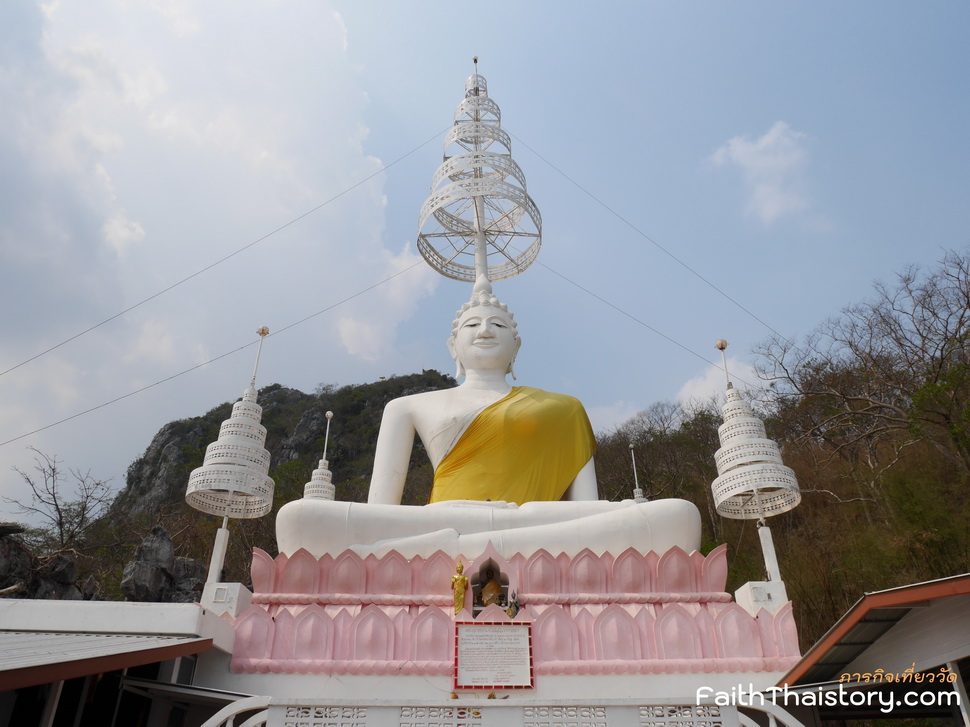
column 721, row 345
column 481, row 243
column 263, row 331
column 636, row 480
column 637, row 491
column 326, row 439
column 320, row 485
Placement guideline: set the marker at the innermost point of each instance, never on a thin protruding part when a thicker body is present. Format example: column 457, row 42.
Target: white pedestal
column 757, row 595
column 221, row 598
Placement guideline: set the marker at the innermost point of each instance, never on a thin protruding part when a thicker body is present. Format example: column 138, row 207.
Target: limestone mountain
column 296, row 425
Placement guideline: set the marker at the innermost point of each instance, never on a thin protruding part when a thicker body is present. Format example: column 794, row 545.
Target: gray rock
column 10, row 529
column 43, row 589
column 142, row 581
column 156, row 575
column 189, row 580
column 158, row 477
column 309, row 430
column 24, row 576
column 16, row 562
column 61, row 570
column 157, row 549
column 89, row 591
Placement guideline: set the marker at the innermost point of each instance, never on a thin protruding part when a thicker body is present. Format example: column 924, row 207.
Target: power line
column 372, row 287
column 647, row 237
column 335, row 305
column 211, row 360
column 331, row 307
column 223, row 259
column 646, row 325
column 125, row 396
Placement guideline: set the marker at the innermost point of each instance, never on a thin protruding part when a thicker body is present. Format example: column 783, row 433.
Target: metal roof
column 872, row 616
column 40, row 657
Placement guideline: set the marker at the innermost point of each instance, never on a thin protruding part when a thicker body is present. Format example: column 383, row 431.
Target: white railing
column 613, row 713
column 226, row 717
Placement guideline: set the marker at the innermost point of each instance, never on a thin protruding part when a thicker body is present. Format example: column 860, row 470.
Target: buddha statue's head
column 484, row 335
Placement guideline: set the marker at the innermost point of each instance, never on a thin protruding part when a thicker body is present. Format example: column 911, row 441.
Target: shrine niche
column 489, row 586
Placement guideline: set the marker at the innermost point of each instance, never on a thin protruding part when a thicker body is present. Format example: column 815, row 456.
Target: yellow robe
column 528, row 446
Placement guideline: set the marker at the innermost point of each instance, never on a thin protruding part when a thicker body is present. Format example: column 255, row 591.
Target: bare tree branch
column 893, row 369
column 65, row 512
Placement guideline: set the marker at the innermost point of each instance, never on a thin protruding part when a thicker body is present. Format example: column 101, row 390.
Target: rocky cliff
column 296, row 425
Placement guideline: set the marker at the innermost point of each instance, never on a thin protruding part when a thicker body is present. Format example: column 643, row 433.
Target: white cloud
column 132, row 162
column 341, row 29
column 52, row 380
column 712, row 383
column 609, row 417
column 144, row 87
column 120, row 232
column 179, row 13
column 361, row 338
column 773, row 169
column 155, row 343
column 370, row 332
column 404, row 291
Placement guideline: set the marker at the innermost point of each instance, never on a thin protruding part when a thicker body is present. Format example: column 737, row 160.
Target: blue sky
column 788, row 153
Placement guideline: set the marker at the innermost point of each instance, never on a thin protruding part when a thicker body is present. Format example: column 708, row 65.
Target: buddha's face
column 484, row 340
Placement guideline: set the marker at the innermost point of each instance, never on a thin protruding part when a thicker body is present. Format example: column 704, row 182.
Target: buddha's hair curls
column 482, row 295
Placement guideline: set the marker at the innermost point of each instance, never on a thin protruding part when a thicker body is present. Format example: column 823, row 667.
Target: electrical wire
column 331, row 307
column 221, row 260
column 640, row 322
column 647, row 237
column 372, row 287
column 211, row 360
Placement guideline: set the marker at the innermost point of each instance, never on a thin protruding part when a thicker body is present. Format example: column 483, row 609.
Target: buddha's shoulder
column 551, row 397
column 420, row 400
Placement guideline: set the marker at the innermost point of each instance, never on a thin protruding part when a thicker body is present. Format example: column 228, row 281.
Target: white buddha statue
column 483, row 436
column 513, row 466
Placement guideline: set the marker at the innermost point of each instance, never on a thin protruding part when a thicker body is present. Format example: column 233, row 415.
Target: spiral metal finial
column 752, row 481
column 479, row 219
column 233, row 480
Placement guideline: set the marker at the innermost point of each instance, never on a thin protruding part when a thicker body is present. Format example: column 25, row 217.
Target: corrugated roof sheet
column 865, row 623
column 38, row 657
